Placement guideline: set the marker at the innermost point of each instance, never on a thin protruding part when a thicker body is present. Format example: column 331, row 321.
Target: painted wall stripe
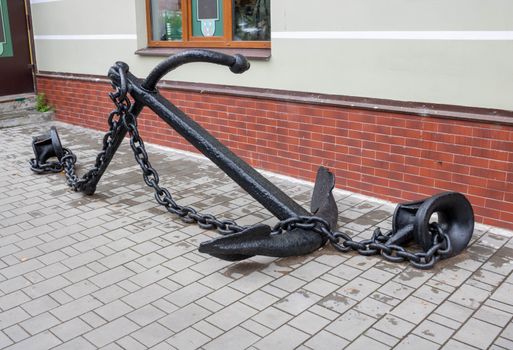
column 32, row 2
column 397, row 35
column 87, row 37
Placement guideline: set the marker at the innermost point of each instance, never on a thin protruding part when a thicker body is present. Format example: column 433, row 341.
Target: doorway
column 16, row 68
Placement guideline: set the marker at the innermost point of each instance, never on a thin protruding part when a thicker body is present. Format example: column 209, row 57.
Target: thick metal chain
column 163, row 196
column 48, row 167
column 376, row 245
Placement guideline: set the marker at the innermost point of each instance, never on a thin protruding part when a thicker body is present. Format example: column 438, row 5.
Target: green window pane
column 6, row 49
column 252, row 20
column 166, row 20
column 207, row 18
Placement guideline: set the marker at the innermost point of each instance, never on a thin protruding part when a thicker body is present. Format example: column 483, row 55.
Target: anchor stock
column 298, row 231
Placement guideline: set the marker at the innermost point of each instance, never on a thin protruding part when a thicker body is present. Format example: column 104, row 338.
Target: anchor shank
column 267, row 194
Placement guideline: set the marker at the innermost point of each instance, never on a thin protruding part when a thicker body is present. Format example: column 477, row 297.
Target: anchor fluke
column 262, row 240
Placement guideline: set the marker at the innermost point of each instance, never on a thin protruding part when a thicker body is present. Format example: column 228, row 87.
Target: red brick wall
column 391, row 156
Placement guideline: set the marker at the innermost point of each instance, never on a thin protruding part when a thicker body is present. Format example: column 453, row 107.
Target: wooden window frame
column 188, row 41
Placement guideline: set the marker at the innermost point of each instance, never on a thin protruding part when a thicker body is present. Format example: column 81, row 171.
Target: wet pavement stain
column 428, row 333
column 383, row 298
column 292, row 261
column 244, row 268
column 502, row 257
column 372, row 218
column 336, row 302
column 410, row 274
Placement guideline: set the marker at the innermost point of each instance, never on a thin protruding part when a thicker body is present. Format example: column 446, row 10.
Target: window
column 209, row 23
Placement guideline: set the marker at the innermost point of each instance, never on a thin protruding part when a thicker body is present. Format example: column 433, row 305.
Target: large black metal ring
column 56, row 143
column 455, row 215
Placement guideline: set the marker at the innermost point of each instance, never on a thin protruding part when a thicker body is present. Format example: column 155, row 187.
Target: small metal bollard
column 298, row 231
column 46, row 147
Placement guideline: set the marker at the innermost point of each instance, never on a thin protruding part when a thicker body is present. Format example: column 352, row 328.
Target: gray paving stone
column 111, row 331
column 145, row 315
column 41, row 341
column 113, row 310
column 469, row 296
column 493, row 316
column 150, row 276
column 297, row 302
column 502, row 343
column 272, row 317
column 71, row 329
column 364, row 342
column 352, row 322
column 337, row 303
column 76, row 308
column 504, row 293
column 111, row 276
column 250, row 325
column 326, row 340
column 413, row 309
column 92, row 319
column 39, row 323
column 358, row 288
column 309, row 322
column 477, row 333
column 145, row 295
column 80, row 289
column 288, row 283
column 21, row 268
column 14, row 284
column 251, row 282
column 236, row 338
column 413, row 341
column 226, row 295
column 231, row 316
column 82, row 259
column 381, row 337
column 16, row 333
column 434, row 332
column 12, row 316
column 283, row 338
column 184, row 317
column 394, row 326
column 188, row 294
column 188, row 339
column 110, row 293
column 454, row 311
column 13, row 299
column 130, row 343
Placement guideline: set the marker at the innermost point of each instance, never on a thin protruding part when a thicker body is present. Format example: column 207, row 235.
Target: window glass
column 166, row 20
column 251, row 20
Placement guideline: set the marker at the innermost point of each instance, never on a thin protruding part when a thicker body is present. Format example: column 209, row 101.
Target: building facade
column 401, row 99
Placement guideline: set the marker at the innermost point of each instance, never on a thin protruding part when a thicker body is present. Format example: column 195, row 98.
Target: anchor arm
column 237, row 63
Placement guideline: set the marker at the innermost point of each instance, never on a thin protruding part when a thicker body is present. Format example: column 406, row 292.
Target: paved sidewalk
column 115, row 271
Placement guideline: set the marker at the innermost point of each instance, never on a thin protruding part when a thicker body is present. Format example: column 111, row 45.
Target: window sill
column 252, row 54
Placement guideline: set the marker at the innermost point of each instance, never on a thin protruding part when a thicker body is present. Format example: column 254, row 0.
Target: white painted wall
column 439, row 51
